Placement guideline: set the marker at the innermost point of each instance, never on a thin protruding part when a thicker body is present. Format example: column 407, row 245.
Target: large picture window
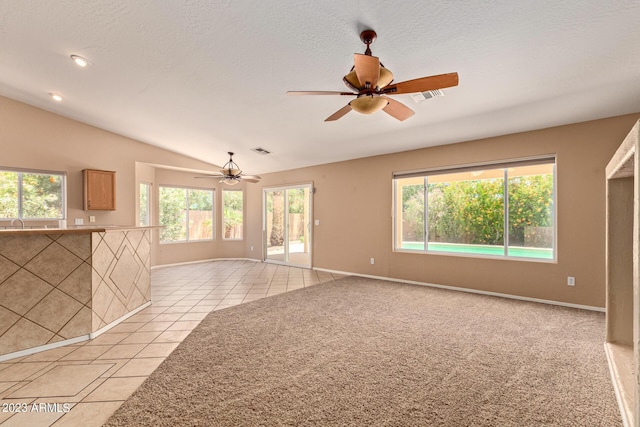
column 186, row 214
column 32, row 195
column 503, row 209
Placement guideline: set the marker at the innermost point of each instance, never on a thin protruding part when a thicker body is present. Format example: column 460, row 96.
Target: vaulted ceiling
column 206, row 77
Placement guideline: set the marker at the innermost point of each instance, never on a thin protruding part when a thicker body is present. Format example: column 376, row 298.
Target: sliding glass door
column 287, row 225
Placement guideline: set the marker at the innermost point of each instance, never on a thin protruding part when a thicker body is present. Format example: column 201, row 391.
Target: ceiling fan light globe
column 368, row 104
column 352, row 82
column 385, row 78
column 230, row 172
column 230, row 181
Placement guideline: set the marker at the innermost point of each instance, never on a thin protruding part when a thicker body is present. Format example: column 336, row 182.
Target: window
column 186, row 214
column 32, row 194
column 503, row 209
column 232, row 211
column 144, row 218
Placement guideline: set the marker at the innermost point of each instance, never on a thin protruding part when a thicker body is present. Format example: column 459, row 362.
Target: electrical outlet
column 92, row 218
column 571, row 281
column 373, row 261
column 251, row 248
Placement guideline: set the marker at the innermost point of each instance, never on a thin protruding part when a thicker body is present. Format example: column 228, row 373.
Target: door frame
column 309, row 226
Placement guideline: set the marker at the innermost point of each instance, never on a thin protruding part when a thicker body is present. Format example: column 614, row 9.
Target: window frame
column 20, row 172
column 550, row 159
column 149, row 187
column 187, row 189
column 230, row 190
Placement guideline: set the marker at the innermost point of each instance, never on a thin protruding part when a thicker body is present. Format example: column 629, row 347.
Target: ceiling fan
column 231, row 173
column 371, row 84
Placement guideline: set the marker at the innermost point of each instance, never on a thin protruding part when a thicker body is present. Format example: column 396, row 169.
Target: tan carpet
column 365, row 352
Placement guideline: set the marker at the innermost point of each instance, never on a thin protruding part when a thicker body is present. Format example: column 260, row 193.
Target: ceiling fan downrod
column 368, row 37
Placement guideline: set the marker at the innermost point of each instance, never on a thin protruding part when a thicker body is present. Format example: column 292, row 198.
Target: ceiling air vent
column 261, row 150
column 421, row 96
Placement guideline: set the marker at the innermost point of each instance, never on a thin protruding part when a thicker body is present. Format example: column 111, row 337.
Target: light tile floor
column 83, row 384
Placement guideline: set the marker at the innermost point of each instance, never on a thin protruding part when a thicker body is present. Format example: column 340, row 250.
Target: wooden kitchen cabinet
column 99, row 190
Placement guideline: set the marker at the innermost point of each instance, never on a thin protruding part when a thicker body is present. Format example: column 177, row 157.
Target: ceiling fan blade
column 423, row 84
column 250, row 178
column 215, row 175
column 318, row 92
column 397, row 109
column 367, row 69
column 341, row 112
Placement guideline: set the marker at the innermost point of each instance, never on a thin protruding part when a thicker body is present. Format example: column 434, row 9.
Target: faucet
column 17, row 219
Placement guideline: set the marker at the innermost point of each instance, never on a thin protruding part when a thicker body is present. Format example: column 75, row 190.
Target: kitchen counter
column 33, row 231
column 64, row 285
column 78, row 229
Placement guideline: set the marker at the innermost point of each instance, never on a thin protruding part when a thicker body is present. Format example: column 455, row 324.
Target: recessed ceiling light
column 82, row 62
column 56, row 97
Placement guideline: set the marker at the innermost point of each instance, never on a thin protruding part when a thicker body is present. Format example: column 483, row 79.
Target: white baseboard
column 40, row 348
column 238, row 259
column 473, row 291
column 104, row 329
column 90, row 336
column 202, row 261
column 413, row 282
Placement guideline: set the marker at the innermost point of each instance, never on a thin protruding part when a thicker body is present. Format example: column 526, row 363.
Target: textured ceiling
column 206, row 77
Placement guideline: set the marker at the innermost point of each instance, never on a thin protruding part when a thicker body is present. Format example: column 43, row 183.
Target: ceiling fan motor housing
column 352, row 82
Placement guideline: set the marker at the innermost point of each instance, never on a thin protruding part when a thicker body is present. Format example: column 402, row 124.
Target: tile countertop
column 72, row 230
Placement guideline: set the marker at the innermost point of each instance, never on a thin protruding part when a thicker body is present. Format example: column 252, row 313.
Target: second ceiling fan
column 371, row 84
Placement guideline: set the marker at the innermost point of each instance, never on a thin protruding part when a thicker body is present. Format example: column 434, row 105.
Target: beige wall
column 36, row 139
column 353, row 202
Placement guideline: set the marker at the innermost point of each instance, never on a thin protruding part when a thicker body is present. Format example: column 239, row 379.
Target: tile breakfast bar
column 66, row 285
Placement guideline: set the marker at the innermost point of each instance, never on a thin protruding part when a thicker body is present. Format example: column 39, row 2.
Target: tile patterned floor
column 83, row 384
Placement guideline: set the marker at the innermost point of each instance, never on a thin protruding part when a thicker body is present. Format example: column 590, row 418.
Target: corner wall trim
column 472, row 291
column 616, row 386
